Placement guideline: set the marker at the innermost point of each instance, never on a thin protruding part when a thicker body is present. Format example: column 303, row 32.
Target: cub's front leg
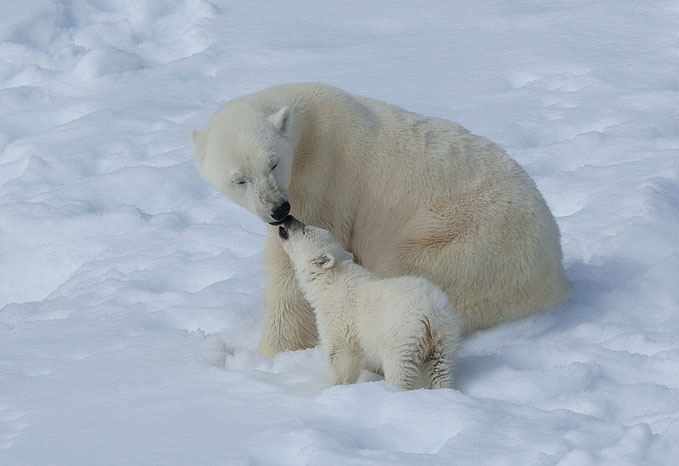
column 343, row 360
column 289, row 322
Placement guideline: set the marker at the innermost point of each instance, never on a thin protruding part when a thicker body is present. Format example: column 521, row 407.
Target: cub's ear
column 281, row 119
column 324, row 261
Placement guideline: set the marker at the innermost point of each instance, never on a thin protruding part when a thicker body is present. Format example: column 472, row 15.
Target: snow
column 130, row 291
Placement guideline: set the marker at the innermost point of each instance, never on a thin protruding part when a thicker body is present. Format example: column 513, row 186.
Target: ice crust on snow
column 130, row 292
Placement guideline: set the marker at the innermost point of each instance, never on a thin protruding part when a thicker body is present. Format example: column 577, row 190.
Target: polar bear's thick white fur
column 404, row 327
column 405, row 193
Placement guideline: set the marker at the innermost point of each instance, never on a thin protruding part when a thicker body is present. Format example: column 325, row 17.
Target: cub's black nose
column 283, row 232
column 282, row 211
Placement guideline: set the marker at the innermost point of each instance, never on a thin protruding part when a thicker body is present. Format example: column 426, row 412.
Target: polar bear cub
column 404, row 327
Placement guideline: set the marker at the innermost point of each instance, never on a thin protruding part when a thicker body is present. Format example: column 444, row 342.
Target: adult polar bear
column 405, row 193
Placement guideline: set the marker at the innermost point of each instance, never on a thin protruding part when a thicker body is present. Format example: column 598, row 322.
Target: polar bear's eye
column 274, row 166
column 239, row 181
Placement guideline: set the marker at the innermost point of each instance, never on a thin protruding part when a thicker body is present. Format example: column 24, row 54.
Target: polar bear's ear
column 324, row 261
column 281, row 119
column 197, row 142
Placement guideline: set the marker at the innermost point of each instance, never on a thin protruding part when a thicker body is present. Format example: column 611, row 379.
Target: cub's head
column 247, row 156
column 312, row 250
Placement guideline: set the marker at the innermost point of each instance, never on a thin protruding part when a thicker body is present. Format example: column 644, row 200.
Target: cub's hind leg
column 438, row 369
column 402, row 370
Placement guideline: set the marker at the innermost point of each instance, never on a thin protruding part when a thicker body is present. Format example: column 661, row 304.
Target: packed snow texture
column 131, row 292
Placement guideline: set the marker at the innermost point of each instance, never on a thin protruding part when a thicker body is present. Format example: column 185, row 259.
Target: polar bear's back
column 412, row 194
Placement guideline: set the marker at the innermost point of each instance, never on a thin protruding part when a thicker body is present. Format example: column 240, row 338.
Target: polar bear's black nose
column 282, row 211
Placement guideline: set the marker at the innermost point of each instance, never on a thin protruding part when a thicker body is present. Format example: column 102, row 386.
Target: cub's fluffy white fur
column 404, row 327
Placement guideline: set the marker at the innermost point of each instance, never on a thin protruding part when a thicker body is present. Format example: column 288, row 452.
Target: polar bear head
column 247, row 156
column 312, row 250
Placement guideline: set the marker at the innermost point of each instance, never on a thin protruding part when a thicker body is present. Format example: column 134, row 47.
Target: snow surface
column 130, row 292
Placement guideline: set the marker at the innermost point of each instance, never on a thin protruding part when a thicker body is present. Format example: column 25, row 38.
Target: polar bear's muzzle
column 280, row 213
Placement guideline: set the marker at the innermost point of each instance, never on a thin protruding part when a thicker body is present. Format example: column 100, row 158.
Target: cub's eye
column 274, row 166
column 239, row 181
